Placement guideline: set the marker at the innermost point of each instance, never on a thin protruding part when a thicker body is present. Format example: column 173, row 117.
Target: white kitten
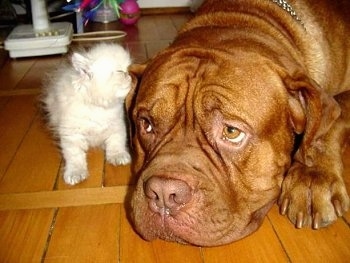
column 85, row 105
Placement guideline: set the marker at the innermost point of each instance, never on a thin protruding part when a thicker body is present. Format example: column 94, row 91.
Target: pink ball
column 130, row 12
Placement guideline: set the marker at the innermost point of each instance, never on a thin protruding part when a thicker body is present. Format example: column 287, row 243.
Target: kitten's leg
column 117, row 152
column 74, row 153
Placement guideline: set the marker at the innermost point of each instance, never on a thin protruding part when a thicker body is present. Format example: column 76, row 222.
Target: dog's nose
column 167, row 196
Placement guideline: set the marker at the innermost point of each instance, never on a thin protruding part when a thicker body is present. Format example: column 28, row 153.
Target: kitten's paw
column 73, row 177
column 119, row 158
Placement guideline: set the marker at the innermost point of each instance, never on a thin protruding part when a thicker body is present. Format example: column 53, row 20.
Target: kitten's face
column 109, row 86
column 108, row 75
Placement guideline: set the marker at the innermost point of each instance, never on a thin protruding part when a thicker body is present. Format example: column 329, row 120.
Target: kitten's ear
column 81, row 64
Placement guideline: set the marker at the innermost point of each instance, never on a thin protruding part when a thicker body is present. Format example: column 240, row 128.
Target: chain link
column 288, row 8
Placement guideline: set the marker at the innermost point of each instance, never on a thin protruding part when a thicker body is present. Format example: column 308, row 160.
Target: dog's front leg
column 315, row 195
column 74, row 153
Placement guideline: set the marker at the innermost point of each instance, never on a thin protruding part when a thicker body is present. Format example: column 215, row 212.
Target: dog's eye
column 232, row 134
column 146, row 125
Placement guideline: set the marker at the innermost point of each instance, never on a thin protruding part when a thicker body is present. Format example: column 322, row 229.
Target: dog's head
column 213, row 135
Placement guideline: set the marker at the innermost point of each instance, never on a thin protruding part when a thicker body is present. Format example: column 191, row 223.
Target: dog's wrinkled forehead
column 201, row 84
column 165, row 86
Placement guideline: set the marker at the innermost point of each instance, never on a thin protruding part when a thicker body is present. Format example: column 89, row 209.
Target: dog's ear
column 135, row 71
column 313, row 112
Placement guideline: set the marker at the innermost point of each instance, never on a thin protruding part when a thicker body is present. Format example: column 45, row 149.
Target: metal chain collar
column 288, row 8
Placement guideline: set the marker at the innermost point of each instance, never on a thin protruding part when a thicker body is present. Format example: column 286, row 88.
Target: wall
column 163, row 3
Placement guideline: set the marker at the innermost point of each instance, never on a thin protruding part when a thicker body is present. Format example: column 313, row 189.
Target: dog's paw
column 73, row 177
column 312, row 198
column 119, row 158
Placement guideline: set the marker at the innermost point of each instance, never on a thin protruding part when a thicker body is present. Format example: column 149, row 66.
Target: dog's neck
column 289, row 9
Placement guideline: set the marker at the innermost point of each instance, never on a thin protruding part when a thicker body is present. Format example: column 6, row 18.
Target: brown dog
column 247, row 107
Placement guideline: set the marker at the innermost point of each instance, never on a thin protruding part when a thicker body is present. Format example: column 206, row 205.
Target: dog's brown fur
column 243, row 68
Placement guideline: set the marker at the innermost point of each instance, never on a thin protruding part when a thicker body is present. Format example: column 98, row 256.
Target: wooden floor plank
column 85, row 234
column 153, row 48
column 13, row 71
column 117, row 175
column 63, row 198
column 133, row 249
column 172, row 252
column 35, row 165
column 16, row 117
column 157, row 251
column 33, row 80
column 180, row 19
column 95, row 159
column 147, row 30
column 133, row 34
column 329, row 244
column 165, row 27
column 261, row 246
column 19, row 92
column 3, row 102
column 137, row 51
column 23, row 234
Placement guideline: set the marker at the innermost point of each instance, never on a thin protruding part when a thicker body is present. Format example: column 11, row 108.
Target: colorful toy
column 88, row 8
column 127, row 11
column 130, row 12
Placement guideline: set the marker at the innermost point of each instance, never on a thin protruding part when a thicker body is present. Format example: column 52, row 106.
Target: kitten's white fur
column 85, row 105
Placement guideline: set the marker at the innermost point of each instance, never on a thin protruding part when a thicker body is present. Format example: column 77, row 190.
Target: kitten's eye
column 233, row 134
column 146, row 125
column 123, row 74
column 120, row 72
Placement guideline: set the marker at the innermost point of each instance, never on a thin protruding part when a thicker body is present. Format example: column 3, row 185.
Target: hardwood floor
column 44, row 220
